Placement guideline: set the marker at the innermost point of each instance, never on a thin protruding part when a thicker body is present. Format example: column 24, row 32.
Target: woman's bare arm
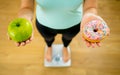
column 90, row 6
column 26, row 9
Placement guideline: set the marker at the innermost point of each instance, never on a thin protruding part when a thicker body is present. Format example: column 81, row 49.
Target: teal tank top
column 59, row 14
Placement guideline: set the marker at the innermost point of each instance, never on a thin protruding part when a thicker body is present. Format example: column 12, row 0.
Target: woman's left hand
column 86, row 18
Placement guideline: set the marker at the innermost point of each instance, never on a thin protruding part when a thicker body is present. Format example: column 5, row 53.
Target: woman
column 66, row 17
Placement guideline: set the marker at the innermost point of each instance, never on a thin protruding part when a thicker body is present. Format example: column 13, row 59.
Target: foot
column 65, row 53
column 48, row 54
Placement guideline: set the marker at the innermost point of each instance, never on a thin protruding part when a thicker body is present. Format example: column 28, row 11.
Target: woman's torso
column 59, row 14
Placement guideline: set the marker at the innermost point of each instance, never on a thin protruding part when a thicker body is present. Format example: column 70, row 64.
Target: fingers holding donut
column 94, row 29
column 91, row 44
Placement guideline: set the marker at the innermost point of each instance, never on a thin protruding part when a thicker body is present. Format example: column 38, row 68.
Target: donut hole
column 95, row 30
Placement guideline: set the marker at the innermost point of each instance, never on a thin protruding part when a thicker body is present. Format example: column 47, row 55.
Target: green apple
column 20, row 30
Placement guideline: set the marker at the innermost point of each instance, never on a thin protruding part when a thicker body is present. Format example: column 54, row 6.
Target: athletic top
column 59, row 14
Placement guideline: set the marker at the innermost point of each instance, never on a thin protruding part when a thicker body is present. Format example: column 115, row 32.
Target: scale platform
column 57, row 60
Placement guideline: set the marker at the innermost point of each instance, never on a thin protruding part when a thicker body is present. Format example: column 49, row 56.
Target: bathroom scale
column 57, row 60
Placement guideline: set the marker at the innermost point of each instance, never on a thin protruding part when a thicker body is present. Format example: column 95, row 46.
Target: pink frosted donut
column 95, row 30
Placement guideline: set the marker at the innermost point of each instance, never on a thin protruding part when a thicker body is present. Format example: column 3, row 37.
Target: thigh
column 71, row 32
column 46, row 32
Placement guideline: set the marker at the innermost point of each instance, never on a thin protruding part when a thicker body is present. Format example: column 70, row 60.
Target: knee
column 67, row 37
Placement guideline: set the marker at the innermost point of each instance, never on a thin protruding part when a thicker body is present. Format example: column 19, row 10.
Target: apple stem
column 17, row 24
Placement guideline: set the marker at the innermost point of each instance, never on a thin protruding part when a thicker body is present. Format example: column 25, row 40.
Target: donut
column 95, row 30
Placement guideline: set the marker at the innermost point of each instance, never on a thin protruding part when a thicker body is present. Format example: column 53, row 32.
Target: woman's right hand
column 26, row 11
